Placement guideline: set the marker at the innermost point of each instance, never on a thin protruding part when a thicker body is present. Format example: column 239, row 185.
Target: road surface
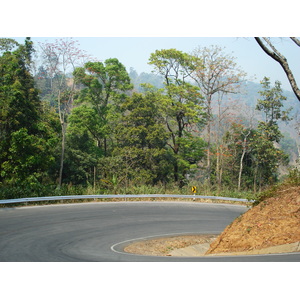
column 98, row 231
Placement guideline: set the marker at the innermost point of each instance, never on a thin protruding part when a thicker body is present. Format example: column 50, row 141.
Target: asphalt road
column 99, row 231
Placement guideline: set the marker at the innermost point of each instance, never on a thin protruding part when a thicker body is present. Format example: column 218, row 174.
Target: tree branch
column 297, row 41
column 267, row 50
column 282, row 61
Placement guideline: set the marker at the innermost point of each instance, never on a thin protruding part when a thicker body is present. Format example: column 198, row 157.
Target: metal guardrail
column 71, row 197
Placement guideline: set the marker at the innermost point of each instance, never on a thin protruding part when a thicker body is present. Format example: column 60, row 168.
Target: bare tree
column 216, row 73
column 225, row 113
column 60, row 59
column 269, row 48
column 245, row 132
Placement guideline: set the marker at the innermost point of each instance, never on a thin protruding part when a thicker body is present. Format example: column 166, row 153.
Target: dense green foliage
column 26, row 137
column 94, row 131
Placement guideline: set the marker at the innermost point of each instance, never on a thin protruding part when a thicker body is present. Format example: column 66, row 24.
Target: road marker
column 194, row 190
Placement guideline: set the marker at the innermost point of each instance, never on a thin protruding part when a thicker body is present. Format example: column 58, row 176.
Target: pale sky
column 135, row 52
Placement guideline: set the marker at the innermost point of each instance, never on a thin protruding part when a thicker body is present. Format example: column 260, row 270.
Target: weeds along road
column 95, row 231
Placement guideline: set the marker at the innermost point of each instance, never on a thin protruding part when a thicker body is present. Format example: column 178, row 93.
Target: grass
column 292, row 180
column 9, row 192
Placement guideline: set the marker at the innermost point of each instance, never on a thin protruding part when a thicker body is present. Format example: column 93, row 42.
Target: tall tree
column 60, row 59
column 216, row 73
column 182, row 103
column 271, row 105
column 239, row 136
column 265, row 159
column 141, row 140
column 19, row 99
column 256, row 152
column 254, row 159
column 224, row 115
column 99, row 102
column 25, row 144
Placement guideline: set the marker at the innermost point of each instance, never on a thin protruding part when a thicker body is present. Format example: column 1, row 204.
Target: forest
column 72, row 124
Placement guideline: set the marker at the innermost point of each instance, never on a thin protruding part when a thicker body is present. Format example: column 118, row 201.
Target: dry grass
column 275, row 221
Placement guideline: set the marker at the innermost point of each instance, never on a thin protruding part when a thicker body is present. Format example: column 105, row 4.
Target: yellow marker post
column 194, row 190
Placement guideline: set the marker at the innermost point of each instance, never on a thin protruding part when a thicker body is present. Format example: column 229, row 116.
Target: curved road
column 98, row 231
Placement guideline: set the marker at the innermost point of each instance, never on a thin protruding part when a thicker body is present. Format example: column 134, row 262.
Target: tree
column 99, row 102
column 239, row 141
column 7, row 44
column 105, row 89
column 245, row 133
column 25, row 137
column 265, row 159
column 81, row 157
column 268, row 47
column 141, row 140
column 60, row 59
column 254, row 160
column 182, row 103
column 225, row 114
column 216, row 74
column 255, row 151
column 17, row 86
column 271, row 105
column 43, row 83
column 19, row 99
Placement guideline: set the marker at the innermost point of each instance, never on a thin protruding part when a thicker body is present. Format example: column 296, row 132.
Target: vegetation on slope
column 274, row 220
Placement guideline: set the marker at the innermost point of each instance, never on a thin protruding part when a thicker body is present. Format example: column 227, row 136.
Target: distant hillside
column 249, row 89
column 247, row 98
column 251, row 94
column 138, row 79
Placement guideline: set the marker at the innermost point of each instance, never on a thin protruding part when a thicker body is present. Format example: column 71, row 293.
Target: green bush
column 293, row 178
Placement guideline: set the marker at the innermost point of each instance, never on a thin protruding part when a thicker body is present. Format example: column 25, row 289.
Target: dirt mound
column 164, row 245
column 275, row 221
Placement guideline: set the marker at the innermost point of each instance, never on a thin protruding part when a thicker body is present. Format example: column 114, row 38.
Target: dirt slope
column 275, row 221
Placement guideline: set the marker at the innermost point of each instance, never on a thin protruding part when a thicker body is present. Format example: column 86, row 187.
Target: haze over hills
column 250, row 90
column 244, row 102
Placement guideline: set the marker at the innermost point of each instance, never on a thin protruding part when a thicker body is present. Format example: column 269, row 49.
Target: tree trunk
column 254, row 179
column 208, row 164
column 209, row 138
column 176, row 176
column 241, row 161
column 105, row 146
column 62, row 156
column 63, row 131
column 241, row 169
column 95, row 172
column 220, row 171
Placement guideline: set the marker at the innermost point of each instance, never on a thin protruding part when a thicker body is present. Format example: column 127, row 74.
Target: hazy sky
column 135, row 52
